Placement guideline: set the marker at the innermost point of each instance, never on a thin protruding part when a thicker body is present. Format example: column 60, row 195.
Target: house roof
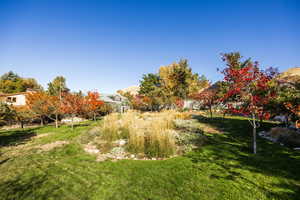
column 112, row 98
column 13, row 94
column 17, row 93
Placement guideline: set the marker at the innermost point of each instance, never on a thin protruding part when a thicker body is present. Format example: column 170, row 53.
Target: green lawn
column 223, row 169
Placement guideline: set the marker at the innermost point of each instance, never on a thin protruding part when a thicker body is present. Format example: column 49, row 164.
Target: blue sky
column 108, row 45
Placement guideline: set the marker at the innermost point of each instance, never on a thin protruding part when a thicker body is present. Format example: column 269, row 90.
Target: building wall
column 20, row 100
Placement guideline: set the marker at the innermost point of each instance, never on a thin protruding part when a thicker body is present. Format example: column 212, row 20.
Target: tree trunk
column 56, row 120
column 72, row 122
column 94, row 116
column 254, row 133
column 210, row 111
column 224, row 114
column 22, row 124
column 42, row 121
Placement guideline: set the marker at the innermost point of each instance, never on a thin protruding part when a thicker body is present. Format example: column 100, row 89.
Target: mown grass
column 223, row 169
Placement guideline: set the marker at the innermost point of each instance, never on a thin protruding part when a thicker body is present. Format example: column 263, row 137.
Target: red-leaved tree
column 250, row 90
column 208, row 98
column 94, row 103
column 38, row 104
column 44, row 105
column 55, row 104
column 72, row 105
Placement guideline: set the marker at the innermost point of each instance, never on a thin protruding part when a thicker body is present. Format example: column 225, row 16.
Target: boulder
column 280, row 118
column 75, row 120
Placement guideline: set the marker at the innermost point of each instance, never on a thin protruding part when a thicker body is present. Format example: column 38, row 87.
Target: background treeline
column 245, row 84
column 12, row 83
column 49, row 105
column 247, row 89
column 168, row 88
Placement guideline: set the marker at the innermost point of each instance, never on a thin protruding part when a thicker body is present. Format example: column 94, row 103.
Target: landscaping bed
column 145, row 136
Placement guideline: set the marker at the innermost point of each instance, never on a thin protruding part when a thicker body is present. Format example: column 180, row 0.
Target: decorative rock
column 92, row 150
column 120, row 142
column 75, row 120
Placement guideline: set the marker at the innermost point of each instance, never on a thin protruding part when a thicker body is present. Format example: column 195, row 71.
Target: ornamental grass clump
column 151, row 134
column 111, row 127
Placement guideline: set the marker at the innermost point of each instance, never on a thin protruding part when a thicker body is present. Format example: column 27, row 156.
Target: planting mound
column 146, row 135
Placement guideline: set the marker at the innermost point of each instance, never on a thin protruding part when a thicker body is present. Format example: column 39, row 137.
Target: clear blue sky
column 108, row 45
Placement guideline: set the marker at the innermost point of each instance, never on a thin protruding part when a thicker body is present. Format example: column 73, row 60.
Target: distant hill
column 290, row 75
column 295, row 71
column 133, row 90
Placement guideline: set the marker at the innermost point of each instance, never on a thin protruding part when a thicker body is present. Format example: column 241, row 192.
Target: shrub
column 278, row 132
column 286, row 136
column 291, row 140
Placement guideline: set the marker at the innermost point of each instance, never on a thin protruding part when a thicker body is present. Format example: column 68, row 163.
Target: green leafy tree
column 6, row 113
column 172, row 84
column 57, row 86
column 234, row 60
column 23, row 115
column 149, row 83
column 288, row 91
column 179, row 82
column 11, row 83
column 31, row 83
column 11, row 76
column 150, row 86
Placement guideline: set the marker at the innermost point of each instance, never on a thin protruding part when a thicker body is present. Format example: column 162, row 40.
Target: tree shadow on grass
column 81, row 125
column 43, row 182
column 232, row 151
column 16, row 137
column 77, row 125
column 29, row 188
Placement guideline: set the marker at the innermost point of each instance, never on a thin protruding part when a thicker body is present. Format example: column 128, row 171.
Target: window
column 11, row 99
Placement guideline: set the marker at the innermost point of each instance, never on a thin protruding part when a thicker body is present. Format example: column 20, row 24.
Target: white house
column 15, row 99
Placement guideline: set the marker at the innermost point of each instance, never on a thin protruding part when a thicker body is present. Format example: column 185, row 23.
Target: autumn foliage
column 207, row 98
column 293, row 108
column 39, row 104
column 93, row 103
column 250, row 91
